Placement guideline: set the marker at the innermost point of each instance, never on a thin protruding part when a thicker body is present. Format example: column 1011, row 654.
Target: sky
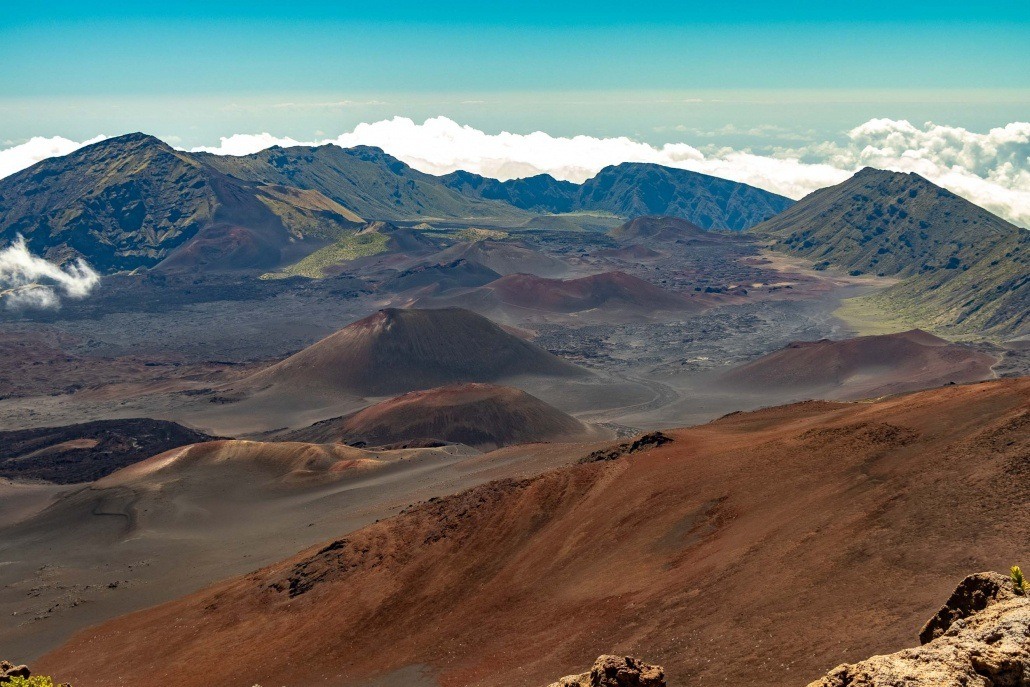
column 755, row 83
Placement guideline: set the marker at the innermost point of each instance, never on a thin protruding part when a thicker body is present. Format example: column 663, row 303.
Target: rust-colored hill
column 396, row 351
column 863, row 367
column 278, row 462
column 764, row 548
column 482, row 415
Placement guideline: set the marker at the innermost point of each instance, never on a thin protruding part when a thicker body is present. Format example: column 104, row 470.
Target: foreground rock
column 616, row 671
column 980, row 638
column 10, row 672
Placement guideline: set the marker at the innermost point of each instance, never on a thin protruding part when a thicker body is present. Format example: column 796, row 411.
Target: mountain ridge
column 134, row 201
column 963, row 269
column 632, row 189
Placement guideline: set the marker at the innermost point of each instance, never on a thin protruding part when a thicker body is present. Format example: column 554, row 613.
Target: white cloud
column 991, row 169
column 38, row 148
column 29, row 281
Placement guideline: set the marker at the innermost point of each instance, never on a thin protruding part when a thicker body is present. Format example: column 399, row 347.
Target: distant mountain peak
column 135, row 139
column 965, row 267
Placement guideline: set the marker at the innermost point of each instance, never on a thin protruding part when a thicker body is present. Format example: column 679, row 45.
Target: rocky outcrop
column 616, row 671
column 641, row 443
column 980, row 638
column 9, row 671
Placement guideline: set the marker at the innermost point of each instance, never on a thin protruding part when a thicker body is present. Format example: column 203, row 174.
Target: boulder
column 616, row 671
column 8, row 671
column 980, row 638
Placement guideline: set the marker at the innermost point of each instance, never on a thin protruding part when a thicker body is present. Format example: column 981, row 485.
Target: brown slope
column 180, row 521
column 396, row 351
column 276, row 462
column 763, row 548
column 862, row 367
column 480, row 415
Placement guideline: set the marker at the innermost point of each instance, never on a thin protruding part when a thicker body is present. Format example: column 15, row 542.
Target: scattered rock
column 980, row 638
column 616, row 671
column 9, row 671
column 646, row 441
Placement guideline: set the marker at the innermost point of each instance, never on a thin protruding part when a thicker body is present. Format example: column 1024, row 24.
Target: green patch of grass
column 869, row 318
column 479, row 234
column 349, row 247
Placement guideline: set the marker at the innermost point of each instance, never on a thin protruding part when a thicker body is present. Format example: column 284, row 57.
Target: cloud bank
column 17, row 158
column 28, row 281
column 991, row 169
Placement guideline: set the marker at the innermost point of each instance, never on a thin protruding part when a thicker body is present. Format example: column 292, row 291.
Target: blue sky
column 198, row 70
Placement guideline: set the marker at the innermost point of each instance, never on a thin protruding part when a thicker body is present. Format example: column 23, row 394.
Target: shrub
column 34, row 681
column 1019, row 584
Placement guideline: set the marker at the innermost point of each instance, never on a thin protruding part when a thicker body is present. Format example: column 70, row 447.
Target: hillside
column 964, row 269
column 368, row 240
column 725, row 555
column 373, row 184
column 396, row 351
column 978, row 637
column 485, row 416
column 863, row 367
column 133, row 201
column 632, row 189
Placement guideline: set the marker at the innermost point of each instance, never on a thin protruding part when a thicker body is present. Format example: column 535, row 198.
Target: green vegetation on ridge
column 964, row 271
column 349, row 247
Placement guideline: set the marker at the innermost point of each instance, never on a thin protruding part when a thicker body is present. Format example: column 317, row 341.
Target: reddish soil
column 403, row 350
column 763, row 548
column 480, row 415
column 865, row 366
